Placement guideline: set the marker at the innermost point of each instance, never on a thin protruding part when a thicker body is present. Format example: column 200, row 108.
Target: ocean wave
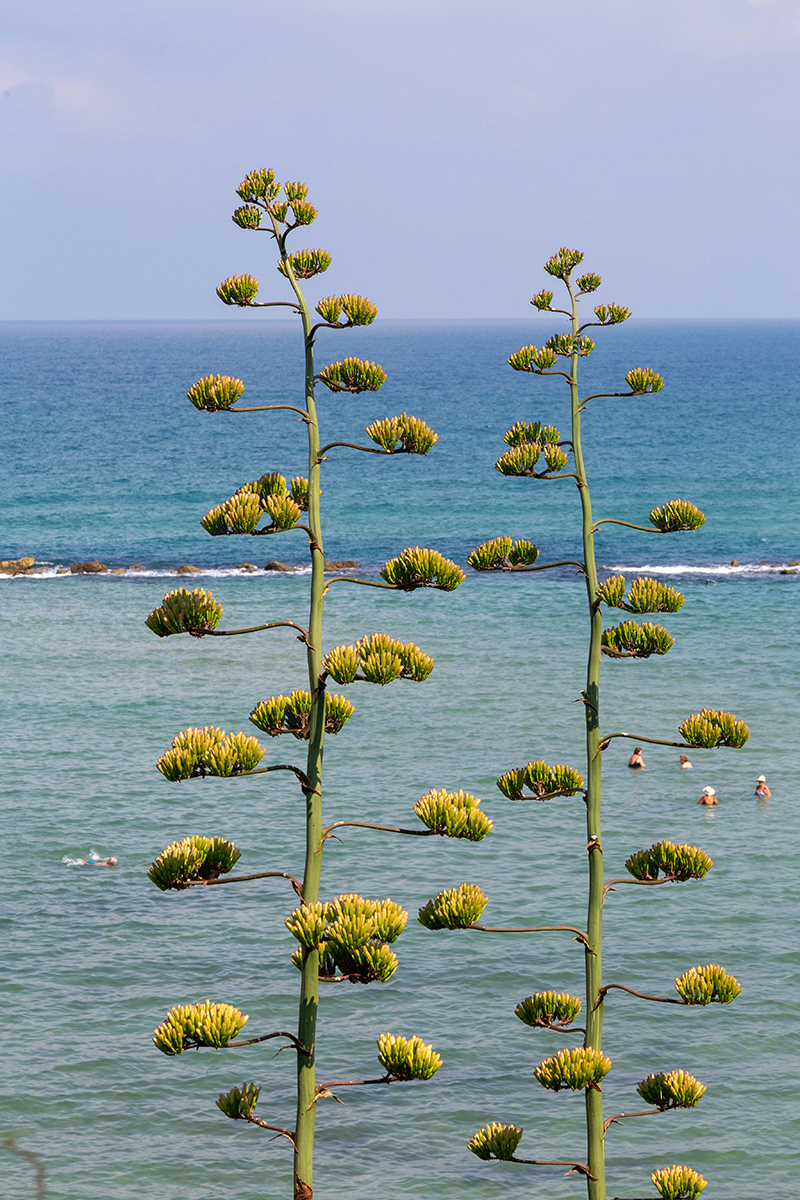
column 58, row 571
column 705, row 569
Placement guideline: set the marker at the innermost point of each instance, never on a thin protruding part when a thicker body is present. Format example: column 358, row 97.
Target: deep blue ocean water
column 104, row 458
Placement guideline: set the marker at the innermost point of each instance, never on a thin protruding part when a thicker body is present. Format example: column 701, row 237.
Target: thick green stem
column 594, row 922
column 309, row 987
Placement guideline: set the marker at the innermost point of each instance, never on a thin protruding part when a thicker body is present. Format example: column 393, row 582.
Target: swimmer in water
column 709, row 796
column 685, row 764
column 94, row 860
column 636, row 762
column 761, row 788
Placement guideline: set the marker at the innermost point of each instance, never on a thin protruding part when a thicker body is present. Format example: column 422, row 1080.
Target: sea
column 103, row 458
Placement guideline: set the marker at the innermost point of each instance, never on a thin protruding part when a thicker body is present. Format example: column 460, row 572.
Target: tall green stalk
column 584, row 1068
column 347, row 937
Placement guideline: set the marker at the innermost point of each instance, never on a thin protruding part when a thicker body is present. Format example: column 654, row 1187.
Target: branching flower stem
column 642, row 995
column 257, row 629
column 646, row 1112
column 566, row 562
column 267, row 1037
column 309, row 987
column 635, row 737
column 364, row 449
column 627, row 524
column 246, row 878
column 268, row 408
column 387, row 828
column 580, row 936
column 579, row 1168
column 612, row 884
column 594, row 927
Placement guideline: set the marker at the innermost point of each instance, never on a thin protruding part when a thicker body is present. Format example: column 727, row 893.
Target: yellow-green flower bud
column 305, row 264
column 247, row 217
column 642, row 380
column 495, row 1141
column 573, row 1069
column 454, row 908
column 548, row 1010
column 240, row 290
column 182, row 611
column 407, row 1058
column 588, row 283
column 531, row 358
column 353, row 375
column 359, row 310
column 630, row 640
column 215, row 393
column 678, row 1183
column 711, row 727
column 563, row 263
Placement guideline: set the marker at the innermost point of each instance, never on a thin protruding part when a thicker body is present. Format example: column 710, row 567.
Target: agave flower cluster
column 187, row 1026
column 548, row 1010
column 677, row 515
column 454, row 908
column 496, row 1141
column 352, row 935
column 209, row 751
column 709, row 984
column 353, row 375
column 358, row 310
column 671, row 1089
column 540, row 780
column 192, row 859
column 291, row 714
column 631, row 640
column 646, row 595
column 522, row 458
column 182, row 611
column 501, row 554
column 402, row 435
column 216, row 393
column 407, row 1058
column 678, row 1183
column 573, row 1069
column 453, row 814
column 379, row 658
column 680, row 862
column 415, row 568
column 270, row 495
column 710, row 728
column 239, row 1103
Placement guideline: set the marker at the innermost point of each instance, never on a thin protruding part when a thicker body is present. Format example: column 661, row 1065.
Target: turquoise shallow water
column 104, row 459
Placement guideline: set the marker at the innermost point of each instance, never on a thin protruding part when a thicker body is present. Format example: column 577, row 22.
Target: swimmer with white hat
column 761, row 788
column 709, row 796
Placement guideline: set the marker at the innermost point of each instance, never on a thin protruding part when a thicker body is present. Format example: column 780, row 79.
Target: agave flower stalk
column 348, row 938
column 539, row 452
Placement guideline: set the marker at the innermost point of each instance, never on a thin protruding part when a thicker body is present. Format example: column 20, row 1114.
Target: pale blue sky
column 449, row 145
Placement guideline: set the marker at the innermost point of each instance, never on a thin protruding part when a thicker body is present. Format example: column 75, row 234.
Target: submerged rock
column 88, row 568
column 247, row 567
column 274, row 565
column 189, row 570
column 344, row 564
column 734, row 562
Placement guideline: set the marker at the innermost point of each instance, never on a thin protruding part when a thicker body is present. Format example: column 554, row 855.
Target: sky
column 450, row 147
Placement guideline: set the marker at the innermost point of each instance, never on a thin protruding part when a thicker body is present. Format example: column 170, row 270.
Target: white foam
column 709, row 569
column 57, row 571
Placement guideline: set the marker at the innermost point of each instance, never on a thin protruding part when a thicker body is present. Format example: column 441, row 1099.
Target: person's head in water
column 709, row 796
column 685, row 764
